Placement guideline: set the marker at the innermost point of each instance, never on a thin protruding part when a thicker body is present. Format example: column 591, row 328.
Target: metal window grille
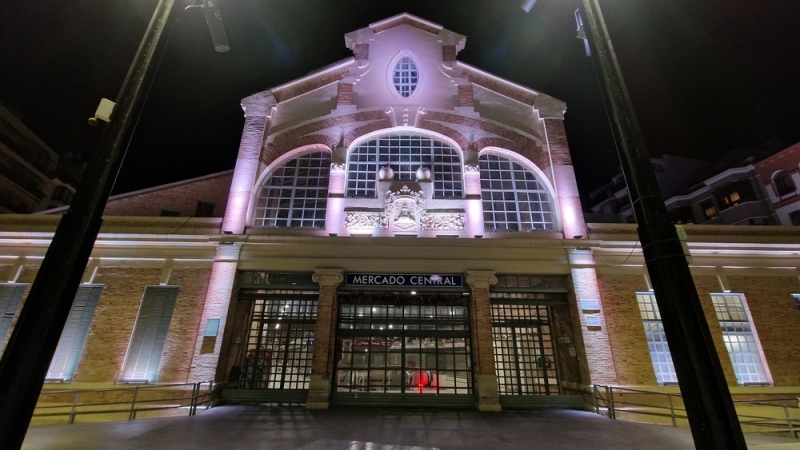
column 70, row 345
column 404, row 154
column 280, row 343
column 739, row 339
column 656, row 339
column 295, row 194
column 10, row 299
column 150, row 334
column 405, row 77
column 513, row 197
column 404, row 345
column 523, row 349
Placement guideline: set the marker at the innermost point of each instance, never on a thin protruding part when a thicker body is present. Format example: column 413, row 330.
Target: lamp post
column 712, row 417
column 33, row 342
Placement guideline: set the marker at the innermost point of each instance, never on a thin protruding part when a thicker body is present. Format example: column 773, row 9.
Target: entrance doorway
column 403, row 347
column 280, row 344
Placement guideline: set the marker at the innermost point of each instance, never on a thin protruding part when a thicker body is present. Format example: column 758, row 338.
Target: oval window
column 405, row 77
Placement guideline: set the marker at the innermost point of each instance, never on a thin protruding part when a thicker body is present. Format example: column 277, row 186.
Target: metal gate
column 523, row 349
column 280, row 345
column 403, row 348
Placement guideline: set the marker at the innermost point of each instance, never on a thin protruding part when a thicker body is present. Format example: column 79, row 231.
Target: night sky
column 705, row 77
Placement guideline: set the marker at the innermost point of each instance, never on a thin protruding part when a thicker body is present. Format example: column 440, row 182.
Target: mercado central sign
column 410, row 280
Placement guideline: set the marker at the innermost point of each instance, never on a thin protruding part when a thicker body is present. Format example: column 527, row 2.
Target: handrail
column 143, row 398
column 611, row 400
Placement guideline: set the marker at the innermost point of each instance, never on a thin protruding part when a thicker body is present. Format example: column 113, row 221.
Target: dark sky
column 704, row 76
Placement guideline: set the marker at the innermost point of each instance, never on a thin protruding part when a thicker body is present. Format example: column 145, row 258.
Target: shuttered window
column 10, row 298
column 70, row 346
column 150, row 334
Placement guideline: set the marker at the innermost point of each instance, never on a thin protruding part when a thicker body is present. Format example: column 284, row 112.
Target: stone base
column 319, row 392
column 486, row 390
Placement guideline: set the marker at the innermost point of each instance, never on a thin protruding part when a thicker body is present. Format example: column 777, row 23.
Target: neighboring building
column 32, row 176
column 205, row 196
column 611, row 202
column 781, row 179
column 402, row 229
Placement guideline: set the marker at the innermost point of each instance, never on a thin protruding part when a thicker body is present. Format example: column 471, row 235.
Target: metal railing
column 124, row 402
column 779, row 415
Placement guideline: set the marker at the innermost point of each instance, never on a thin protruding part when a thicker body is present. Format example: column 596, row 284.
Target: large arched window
column 513, row 197
column 295, row 193
column 404, row 154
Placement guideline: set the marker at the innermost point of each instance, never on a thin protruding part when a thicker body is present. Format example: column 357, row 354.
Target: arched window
column 783, row 183
column 295, row 194
column 513, row 197
column 404, row 154
column 405, row 77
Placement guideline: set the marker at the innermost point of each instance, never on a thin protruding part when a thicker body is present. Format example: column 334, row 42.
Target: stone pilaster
column 319, row 386
column 569, row 201
column 596, row 360
column 218, row 299
column 487, row 398
column 257, row 109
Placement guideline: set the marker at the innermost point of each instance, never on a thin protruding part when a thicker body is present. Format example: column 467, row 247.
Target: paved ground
column 290, row 428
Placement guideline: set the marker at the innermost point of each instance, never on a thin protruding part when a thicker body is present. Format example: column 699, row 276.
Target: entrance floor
column 285, row 428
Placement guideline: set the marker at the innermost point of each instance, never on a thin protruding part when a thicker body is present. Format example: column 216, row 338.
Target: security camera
column 104, row 111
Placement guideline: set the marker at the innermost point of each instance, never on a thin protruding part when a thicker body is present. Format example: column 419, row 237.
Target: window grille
column 295, row 194
column 405, row 77
column 404, row 344
column 10, row 299
column 523, row 350
column 513, row 198
column 280, row 344
column 150, row 333
column 656, row 339
column 405, row 154
column 739, row 339
column 70, row 345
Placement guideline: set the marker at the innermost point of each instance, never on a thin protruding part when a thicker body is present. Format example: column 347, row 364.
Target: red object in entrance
column 258, row 367
column 425, row 378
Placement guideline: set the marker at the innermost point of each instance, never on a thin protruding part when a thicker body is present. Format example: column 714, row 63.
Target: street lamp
column 709, row 408
column 33, row 342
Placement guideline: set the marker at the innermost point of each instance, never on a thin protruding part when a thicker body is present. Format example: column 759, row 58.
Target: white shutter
column 10, row 298
column 150, row 333
column 70, row 346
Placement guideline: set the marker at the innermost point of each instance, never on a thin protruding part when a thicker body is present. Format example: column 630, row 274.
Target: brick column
column 551, row 111
column 319, row 387
column 257, row 110
column 482, row 350
column 596, row 360
column 218, row 299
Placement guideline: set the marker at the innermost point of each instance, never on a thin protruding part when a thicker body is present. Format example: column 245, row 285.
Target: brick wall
column 180, row 345
column 625, row 329
column 705, row 286
column 776, row 320
column 111, row 329
column 180, row 197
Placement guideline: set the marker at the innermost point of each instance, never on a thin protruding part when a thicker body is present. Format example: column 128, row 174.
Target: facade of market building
column 400, row 229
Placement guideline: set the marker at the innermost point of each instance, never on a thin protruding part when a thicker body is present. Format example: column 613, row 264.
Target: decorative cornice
column 259, row 105
column 481, row 279
column 328, row 277
column 470, row 169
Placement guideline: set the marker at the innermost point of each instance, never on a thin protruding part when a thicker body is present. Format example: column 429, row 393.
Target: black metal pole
column 712, row 417
column 33, row 342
